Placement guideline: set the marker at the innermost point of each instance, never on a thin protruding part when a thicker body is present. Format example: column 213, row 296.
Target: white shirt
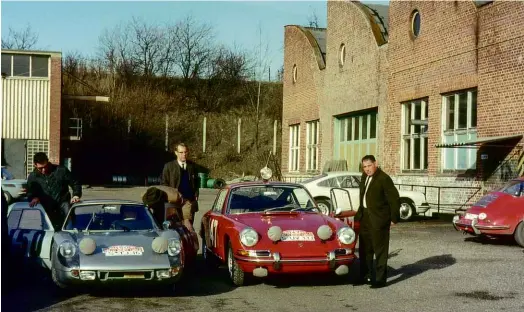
column 182, row 164
column 368, row 182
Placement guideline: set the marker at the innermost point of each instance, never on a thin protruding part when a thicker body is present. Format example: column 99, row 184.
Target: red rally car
column 261, row 228
column 498, row 213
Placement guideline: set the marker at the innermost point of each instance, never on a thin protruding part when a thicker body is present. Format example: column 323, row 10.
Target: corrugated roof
column 480, row 141
column 380, row 14
column 320, row 37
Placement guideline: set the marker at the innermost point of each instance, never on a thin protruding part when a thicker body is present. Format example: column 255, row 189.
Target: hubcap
column 323, row 208
column 230, row 262
column 405, row 211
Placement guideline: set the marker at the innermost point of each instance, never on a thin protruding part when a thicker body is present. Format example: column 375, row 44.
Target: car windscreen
column 514, row 187
column 269, row 197
column 107, row 217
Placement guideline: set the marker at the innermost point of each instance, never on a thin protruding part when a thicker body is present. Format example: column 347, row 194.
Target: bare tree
column 147, row 44
column 313, row 19
column 24, row 39
column 193, row 47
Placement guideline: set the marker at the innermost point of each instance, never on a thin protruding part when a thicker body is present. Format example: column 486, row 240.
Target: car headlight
column 67, row 249
column 346, row 235
column 248, row 237
column 174, row 246
column 482, row 216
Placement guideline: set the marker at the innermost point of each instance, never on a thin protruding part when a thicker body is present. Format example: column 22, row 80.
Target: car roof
column 108, row 201
column 261, row 183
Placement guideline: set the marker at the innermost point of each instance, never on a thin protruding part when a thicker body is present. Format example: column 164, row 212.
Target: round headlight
column 174, row 246
column 482, row 216
column 67, row 249
column 248, row 237
column 266, row 173
column 346, row 235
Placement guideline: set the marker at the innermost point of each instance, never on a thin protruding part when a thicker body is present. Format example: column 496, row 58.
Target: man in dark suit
column 378, row 210
column 182, row 175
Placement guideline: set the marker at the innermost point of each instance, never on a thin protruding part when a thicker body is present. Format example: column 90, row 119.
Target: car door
column 211, row 221
column 351, row 183
column 31, row 233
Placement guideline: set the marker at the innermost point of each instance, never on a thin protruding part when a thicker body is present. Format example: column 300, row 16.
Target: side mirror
column 166, row 225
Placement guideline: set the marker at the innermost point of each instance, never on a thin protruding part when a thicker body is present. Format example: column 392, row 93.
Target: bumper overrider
column 472, row 226
column 260, row 263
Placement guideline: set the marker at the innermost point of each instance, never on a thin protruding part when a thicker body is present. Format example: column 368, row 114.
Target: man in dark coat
column 182, row 175
column 48, row 185
column 378, row 210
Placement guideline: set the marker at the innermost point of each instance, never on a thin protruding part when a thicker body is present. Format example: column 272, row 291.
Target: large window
column 294, row 147
column 415, row 135
column 25, row 65
column 355, row 136
column 312, row 135
column 459, row 115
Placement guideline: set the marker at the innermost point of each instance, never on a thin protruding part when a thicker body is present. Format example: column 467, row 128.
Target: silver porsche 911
column 102, row 241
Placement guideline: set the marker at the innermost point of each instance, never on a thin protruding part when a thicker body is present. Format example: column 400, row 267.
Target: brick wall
column 460, row 46
column 361, row 82
column 300, row 98
column 55, row 109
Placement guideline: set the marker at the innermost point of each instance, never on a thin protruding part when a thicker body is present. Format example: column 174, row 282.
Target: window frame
column 469, row 130
column 294, row 159
column 407, row 130
column 312, row 147
column 30, row 73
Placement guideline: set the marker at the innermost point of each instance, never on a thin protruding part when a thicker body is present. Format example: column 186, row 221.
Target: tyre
column 8, row 197
column 407, row 209
column 55, row 279
column 324, row 205
column 519, row 234
column 235, row 272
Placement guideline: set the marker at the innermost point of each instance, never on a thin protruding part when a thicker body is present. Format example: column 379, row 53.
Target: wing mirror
column 166, row 225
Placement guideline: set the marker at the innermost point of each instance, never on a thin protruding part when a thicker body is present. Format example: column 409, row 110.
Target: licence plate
column 470, row 216
column 294, row 235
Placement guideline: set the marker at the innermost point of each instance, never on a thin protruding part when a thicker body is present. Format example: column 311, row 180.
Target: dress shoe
column 378, row 285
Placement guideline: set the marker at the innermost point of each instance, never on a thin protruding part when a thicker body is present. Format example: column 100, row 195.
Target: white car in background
column 12, row 189
column 412, row 203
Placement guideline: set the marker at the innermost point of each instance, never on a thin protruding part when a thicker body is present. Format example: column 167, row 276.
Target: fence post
column 167, row 132
column 275, row 124
column 238, row 135
column 204, row 136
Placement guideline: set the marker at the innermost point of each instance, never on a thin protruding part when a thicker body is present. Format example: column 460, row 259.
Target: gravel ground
column 432, row 268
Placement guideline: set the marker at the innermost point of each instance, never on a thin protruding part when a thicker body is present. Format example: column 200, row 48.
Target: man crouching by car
column 157, row 197
column 48, row 185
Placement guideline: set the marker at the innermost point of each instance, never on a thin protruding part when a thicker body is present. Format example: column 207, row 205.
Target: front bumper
column 337, row 260
column 79, row 276
column 460, row 223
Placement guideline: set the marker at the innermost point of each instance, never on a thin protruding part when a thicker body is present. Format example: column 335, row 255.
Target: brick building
column 334, row 82
column 444, row 77
column 31, row 107
column 455, row 114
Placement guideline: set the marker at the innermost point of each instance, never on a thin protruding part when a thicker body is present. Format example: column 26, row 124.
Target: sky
column 75, row 26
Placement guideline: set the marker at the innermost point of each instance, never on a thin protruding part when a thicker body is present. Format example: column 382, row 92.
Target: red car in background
column 262, row 228
column 499, row 213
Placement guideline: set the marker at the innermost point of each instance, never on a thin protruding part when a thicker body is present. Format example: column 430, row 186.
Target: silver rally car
column 101, row 241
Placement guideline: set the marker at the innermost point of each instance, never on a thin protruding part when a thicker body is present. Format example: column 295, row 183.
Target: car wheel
column 8, row 197
column 407, row 209
column 235, row 272
column 519, row 234
column 55, row 279
column 324, row 205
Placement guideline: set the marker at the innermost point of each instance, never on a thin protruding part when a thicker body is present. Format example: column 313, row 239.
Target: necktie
column 368, row 179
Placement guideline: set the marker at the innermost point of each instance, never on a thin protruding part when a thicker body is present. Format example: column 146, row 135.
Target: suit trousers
column 373, row 242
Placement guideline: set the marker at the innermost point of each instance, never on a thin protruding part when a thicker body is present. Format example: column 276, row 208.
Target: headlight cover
column 67, row 249
column 248, row 237
column 346, row 235
column 174, row 246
